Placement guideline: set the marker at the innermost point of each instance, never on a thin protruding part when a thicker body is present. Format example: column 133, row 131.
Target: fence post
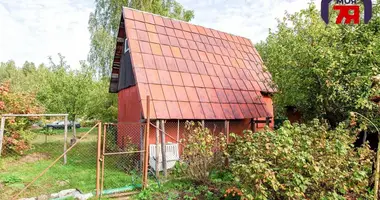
column 65, row 142
column 227, row 129
column 146, row 143
column 103, row 158
column 253, row 125
column 2, row 127
column 157, row 148
column 98, row 159
column 142, row 132
column 163, row 148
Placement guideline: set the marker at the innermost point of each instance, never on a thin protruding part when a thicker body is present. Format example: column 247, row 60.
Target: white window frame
column 126, row 45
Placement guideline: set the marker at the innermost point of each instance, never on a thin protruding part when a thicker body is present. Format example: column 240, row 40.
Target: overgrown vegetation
column 306, row 161
column 324, row 70
column 301, row 162
column 17, row 136
column 202, row 152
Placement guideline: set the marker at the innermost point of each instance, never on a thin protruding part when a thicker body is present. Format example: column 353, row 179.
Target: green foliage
column 323, row 70
column 148, row 193
column 61, row 89
column 11, row 179
column 102, row 104
column 104, row 22
column 22, row 79
column 66, row 91
column 202, row 152
column 17, row 137
column 179, row 189
column 301, row 162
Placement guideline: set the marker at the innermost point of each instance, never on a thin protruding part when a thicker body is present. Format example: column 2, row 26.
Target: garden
column 300, row 161
column 329, row 73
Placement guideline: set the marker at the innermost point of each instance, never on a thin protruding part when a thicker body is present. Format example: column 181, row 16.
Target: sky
column 33, row 30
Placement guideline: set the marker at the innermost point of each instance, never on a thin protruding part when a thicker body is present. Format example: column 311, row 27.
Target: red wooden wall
column 129, row 115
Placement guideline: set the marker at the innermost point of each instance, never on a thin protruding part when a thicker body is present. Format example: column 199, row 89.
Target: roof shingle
column 223, row 74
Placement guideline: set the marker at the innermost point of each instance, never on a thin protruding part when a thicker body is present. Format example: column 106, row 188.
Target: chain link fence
column 20, row 165
column 122, row 156
column 174, row 131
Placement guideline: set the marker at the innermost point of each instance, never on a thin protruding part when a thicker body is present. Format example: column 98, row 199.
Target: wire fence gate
column 107, row 160
column 122, row 158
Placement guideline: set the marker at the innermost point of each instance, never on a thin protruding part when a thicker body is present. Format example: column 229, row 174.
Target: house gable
column 190, row 71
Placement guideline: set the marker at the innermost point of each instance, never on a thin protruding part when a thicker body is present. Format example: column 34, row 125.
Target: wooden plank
column 124, row 152
column 267, row 121
column 146, row 144
column 227, row 130
column 157, row 148
column 103, row 158
column 163, row 148
column 124, row 194
column 98, row 159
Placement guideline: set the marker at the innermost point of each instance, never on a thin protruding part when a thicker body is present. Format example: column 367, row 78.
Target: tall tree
column 324, row 70
column 28, row 68
column 66, row 90
column 104, row 22
column 22, row 79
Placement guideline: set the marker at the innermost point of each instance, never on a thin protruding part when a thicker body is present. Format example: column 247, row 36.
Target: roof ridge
column 185, row 22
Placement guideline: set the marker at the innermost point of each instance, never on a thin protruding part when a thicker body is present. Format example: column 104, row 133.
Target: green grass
column 79, row 172
column 61, row 131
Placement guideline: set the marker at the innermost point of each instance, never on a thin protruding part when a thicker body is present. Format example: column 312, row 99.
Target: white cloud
column 35, row 29
column 248, row 18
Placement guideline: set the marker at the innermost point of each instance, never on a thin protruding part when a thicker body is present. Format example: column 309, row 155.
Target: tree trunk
column 74, row 139
column 74, row 128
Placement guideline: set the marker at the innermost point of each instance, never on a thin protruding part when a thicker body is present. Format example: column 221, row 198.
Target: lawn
column 79, row 172
column 61, row 131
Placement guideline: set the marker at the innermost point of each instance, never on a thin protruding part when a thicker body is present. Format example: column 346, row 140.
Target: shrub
column 202, row 152
column 88, row 123
column 17, row 135
column 301, row 162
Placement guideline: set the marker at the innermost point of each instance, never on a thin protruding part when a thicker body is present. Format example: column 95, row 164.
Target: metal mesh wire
column 123, row 155
column 175, row 131
column 79, row 172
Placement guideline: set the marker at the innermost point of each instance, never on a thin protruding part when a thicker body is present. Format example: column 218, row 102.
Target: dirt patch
column 34, row 157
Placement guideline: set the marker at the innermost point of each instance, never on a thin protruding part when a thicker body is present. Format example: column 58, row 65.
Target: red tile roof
column 193, row 72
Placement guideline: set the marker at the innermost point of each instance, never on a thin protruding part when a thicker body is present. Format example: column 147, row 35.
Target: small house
column 190, row 72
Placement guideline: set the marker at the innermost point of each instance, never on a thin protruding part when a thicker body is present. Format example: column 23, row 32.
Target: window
column 126, row 47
